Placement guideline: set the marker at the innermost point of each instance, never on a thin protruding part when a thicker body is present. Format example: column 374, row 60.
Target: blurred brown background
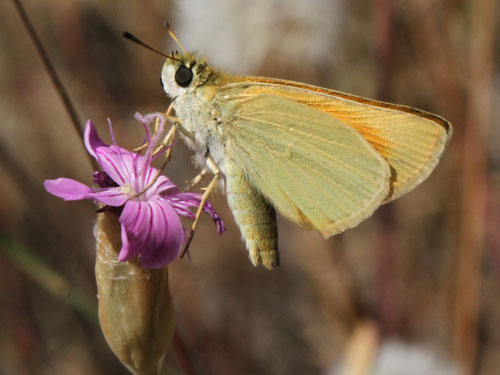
column 413, row 290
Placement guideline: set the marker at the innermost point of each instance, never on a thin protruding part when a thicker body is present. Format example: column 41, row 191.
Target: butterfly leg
column 167, row 143
column 211, row 187
column 195, row 181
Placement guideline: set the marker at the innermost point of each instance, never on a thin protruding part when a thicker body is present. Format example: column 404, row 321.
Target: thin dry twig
column 54, row 78
column 182, row 354
column 473, row 213
column 384, row 247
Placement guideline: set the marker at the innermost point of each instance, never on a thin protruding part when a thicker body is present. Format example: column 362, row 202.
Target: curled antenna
column 134, row 39
column 170, row 31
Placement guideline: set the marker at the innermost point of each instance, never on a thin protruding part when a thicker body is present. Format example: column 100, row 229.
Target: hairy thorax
column 202, row 120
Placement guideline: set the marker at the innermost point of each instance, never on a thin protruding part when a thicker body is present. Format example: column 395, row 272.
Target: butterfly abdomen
column 255, row 217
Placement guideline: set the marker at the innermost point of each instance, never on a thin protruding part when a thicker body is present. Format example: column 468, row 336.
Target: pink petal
column 167, row 236
column 111, row 196
column 128, row 250
column 162, row 185
column 91, row 139
column 182, row 201
column 68, row 189
column 152, row 229
column 107, row 156
column 71, row 190
column 117, row 163
column 135, row 220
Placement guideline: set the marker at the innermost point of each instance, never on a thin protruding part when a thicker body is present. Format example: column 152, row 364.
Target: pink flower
column 150, row 222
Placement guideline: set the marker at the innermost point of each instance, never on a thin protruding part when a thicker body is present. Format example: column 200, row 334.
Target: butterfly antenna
column 134, row 39
column 170, row 31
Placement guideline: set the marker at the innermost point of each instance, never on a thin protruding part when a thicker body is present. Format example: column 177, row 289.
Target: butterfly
column 324, row 159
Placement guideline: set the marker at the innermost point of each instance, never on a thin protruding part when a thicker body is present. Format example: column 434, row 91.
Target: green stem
column 27, row 262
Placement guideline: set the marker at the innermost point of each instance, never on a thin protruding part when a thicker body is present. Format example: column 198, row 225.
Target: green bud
column 135, row 306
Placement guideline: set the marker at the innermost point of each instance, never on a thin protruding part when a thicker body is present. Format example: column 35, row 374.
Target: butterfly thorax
column 198, row 118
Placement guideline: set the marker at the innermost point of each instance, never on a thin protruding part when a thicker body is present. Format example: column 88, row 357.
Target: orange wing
column 411, row 140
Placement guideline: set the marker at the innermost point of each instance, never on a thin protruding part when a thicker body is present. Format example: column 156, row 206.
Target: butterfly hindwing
column 313, row 168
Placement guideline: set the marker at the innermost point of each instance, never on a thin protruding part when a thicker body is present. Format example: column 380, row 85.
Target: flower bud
column 135, row 306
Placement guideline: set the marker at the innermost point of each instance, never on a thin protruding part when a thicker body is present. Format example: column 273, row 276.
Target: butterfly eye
column 183, row 76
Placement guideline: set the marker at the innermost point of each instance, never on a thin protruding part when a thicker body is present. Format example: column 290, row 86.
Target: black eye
column 183, row 76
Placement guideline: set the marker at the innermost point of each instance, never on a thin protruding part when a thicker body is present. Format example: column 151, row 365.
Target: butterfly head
column 183, row 72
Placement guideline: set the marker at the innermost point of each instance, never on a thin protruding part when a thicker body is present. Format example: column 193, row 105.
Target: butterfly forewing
column 313, row 168
column 411, row 140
